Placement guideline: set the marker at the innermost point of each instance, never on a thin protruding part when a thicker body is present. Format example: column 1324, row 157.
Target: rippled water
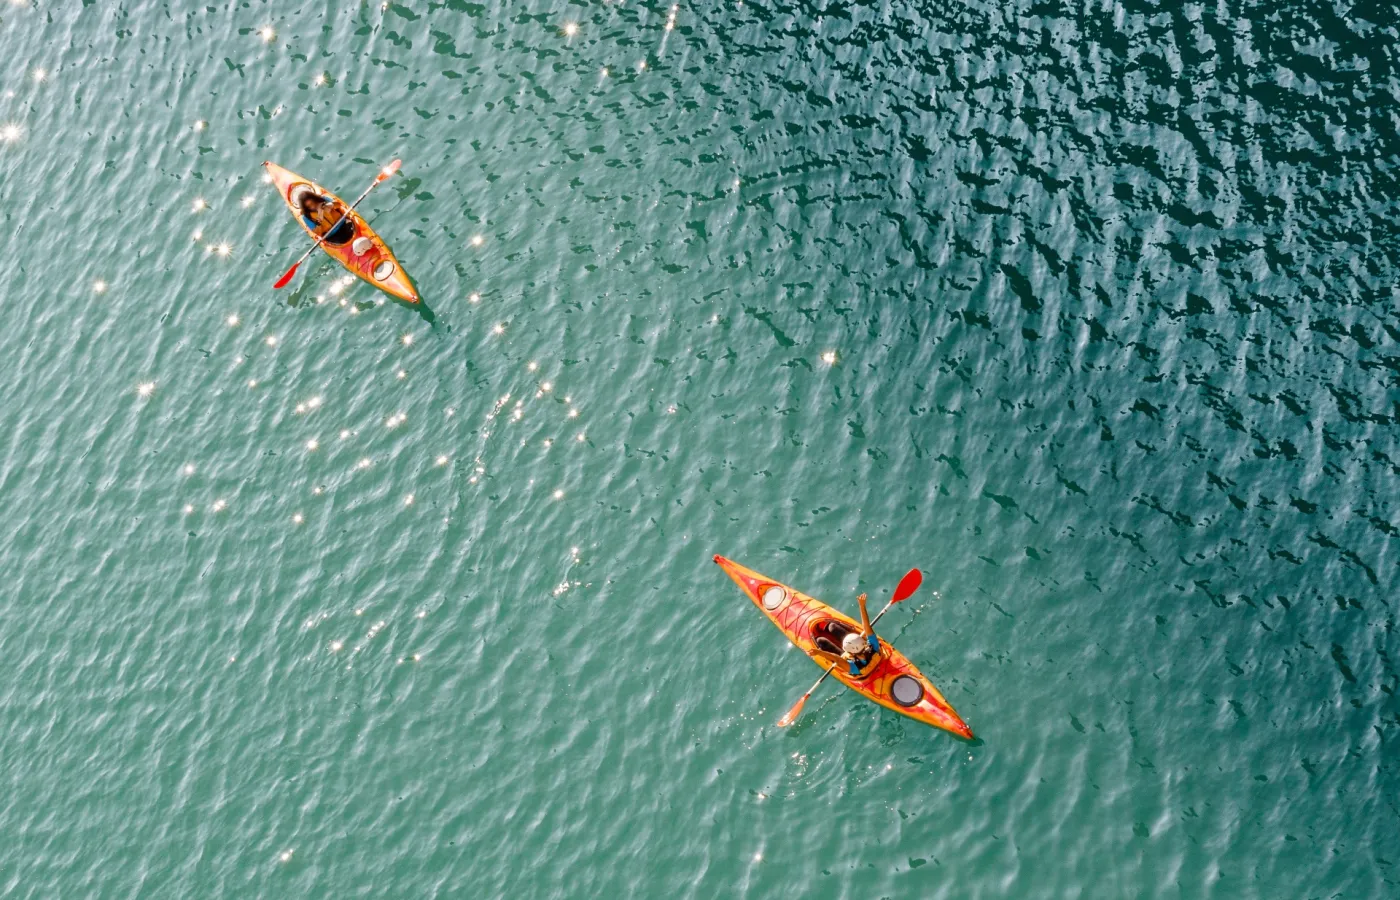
column 1111, row 293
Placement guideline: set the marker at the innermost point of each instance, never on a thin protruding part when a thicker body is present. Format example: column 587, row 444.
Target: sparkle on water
column 99, row 286
column 146, row 388
column 10, row 133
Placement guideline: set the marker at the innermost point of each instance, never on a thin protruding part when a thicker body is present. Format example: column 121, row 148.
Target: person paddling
column 328, row 217
column 859, row 650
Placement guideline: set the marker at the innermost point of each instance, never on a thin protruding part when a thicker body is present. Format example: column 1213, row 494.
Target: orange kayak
column 893, row 682
column 365, row 254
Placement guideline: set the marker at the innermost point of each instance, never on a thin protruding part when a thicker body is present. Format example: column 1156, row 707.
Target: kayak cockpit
column 339, row 234
column 828, row 634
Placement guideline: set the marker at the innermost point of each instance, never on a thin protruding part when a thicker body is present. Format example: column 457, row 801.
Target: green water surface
column 1087, row 310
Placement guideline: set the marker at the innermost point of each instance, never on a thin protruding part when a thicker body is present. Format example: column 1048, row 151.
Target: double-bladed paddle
column 383, row 176
column 907, row 586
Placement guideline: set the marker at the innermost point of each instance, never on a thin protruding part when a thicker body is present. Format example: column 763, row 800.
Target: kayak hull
column 375, row 263
column 894, row 682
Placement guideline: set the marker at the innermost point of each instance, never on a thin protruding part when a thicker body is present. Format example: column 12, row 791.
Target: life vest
column 324, row 219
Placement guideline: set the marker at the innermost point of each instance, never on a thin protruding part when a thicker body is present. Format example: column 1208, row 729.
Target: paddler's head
column 854, row 644
column 310, row 203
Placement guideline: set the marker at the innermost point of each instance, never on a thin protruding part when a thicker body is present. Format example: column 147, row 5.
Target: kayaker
column 860, row 650
column 322, row 214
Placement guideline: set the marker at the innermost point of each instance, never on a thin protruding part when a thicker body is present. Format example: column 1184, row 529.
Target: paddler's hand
column 865, row 628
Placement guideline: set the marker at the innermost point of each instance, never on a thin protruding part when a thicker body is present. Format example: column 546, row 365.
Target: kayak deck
column 894, row 682
column 365, row 254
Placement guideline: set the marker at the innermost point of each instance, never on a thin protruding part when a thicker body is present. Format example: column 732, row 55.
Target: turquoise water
column 1089, row 312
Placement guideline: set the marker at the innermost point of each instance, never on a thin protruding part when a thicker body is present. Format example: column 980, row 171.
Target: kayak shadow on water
column 423, row 309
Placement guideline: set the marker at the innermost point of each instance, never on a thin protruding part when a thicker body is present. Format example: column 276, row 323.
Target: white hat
column 854, row 644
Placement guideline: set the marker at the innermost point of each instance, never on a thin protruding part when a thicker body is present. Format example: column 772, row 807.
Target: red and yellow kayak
column 894, row 682
column 365, row 255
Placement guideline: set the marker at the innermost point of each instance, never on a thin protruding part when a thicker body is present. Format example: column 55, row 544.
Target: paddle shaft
column 881, row 613
column 321, row 239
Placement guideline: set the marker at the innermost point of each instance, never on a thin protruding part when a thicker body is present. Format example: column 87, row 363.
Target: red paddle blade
column 389, row 170
column 282, row 282
column 908, row 585
column 793, row 713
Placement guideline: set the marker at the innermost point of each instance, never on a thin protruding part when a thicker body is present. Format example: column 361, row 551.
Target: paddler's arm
column 865, row 629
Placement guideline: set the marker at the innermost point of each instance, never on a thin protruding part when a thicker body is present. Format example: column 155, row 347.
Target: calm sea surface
column 1090, row 311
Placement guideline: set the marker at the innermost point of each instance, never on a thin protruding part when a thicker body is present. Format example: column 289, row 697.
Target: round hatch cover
column 383, row 270
column 773, row 598
column 906, row 691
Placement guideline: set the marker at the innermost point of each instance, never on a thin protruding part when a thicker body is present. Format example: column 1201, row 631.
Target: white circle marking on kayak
column 773, row 598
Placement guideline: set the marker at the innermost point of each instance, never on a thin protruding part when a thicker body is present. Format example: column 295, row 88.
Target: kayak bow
column 365, row 254
column 894, row 682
